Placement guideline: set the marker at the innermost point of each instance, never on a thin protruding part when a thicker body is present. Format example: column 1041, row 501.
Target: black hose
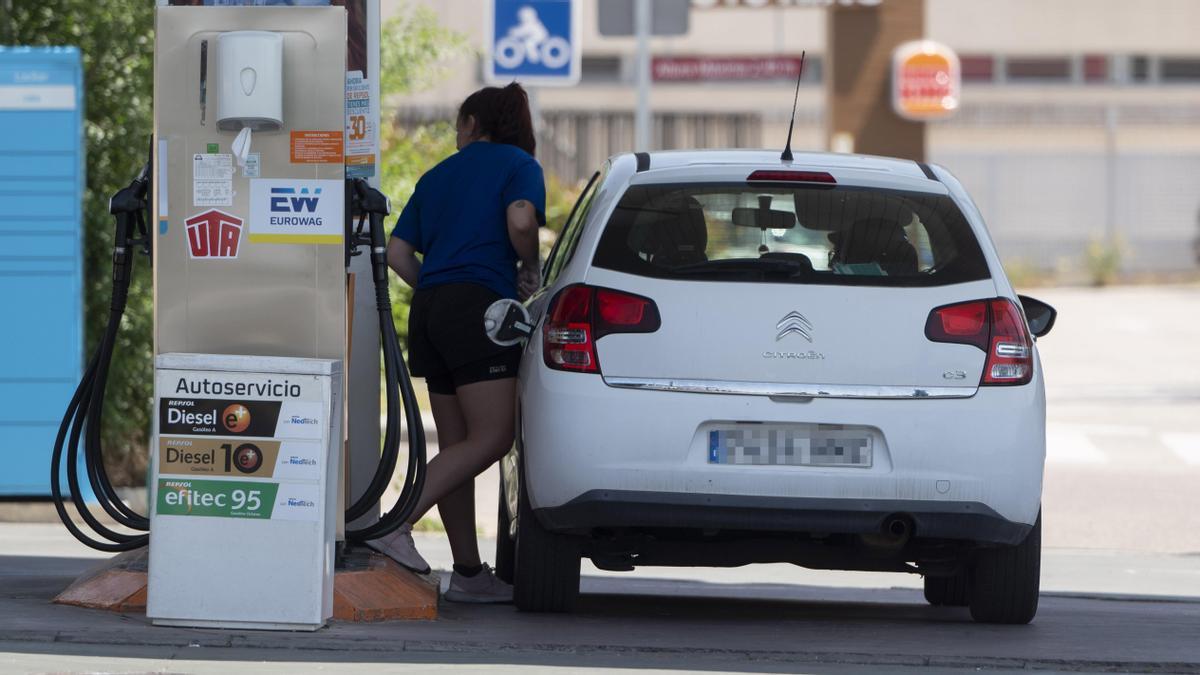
column 375, row 205
column 85, row 410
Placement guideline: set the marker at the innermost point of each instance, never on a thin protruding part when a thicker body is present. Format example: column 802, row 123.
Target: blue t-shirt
column 457, row 216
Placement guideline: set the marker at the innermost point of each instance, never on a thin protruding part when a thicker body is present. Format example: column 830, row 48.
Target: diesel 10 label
column 240, row 458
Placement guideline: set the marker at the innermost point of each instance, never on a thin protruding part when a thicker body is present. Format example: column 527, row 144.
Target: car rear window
column 787, row 233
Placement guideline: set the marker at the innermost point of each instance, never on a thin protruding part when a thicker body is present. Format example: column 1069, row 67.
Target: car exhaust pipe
column 897, row 527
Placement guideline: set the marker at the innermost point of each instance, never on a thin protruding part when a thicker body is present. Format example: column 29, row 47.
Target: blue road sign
column 41, row 188
column 534, row 42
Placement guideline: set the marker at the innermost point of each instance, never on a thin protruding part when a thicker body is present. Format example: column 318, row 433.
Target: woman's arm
column 523, row 233
column 402, row 258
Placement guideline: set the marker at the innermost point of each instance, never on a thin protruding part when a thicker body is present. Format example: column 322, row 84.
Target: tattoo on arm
column 520, row 203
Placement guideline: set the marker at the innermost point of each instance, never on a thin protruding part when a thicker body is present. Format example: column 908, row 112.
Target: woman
column 473, row 217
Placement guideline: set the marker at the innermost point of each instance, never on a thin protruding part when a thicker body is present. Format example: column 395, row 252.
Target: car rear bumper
column 969, row 521
column 971, row 460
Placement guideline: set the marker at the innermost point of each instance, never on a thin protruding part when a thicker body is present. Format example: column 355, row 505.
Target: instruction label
column 360, row 126
column 253, row 165
column 212, row 179
column 317, row 147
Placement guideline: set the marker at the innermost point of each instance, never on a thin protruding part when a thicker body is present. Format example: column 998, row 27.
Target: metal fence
column 574, row 143
column 1045, row 207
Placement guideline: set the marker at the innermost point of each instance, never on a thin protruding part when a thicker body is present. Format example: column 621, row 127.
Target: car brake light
column 779, row 176
column 995, row 326
column 580, row 315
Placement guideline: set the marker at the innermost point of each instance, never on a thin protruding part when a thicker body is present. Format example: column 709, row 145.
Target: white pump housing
column 250, row 81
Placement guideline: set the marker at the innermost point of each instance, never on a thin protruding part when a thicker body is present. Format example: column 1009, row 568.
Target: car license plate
column 824, row 445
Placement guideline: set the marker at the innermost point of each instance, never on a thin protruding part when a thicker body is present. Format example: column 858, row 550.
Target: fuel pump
column 83, row 418
column 252, row 251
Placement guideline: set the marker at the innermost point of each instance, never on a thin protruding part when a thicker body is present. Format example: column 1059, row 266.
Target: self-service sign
column 244, row 489
column 926, row 80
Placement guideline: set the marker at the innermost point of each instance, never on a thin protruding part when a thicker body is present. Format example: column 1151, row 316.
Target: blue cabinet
column 41, row 266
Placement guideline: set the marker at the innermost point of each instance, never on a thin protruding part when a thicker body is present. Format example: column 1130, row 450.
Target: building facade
column 1079, row 126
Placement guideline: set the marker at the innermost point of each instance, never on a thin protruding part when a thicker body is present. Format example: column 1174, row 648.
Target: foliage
column 115, row 38
column 1103, row 261
column 413, row 53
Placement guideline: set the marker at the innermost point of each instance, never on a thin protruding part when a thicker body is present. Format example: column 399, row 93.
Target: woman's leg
column 457, row 508
column 488, row 409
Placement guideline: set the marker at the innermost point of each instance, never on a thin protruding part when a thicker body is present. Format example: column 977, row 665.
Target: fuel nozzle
column 128, row 207
column 373, row 206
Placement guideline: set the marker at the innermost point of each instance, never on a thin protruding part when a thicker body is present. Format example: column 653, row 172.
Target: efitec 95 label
column 215, row 498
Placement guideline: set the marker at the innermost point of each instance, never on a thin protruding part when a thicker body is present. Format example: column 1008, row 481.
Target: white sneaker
column 399, row 546
column 483, row 588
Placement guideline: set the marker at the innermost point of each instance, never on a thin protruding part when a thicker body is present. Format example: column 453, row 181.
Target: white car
column 739, row 359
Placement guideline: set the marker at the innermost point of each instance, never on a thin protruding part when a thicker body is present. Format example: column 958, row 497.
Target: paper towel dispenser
column 250, row 81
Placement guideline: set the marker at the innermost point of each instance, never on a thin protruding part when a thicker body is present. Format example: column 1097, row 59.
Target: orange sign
column 926, row 80
column 317, row 147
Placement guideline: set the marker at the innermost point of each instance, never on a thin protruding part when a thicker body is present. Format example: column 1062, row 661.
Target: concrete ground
column 1121, row 570
column 1100, row 612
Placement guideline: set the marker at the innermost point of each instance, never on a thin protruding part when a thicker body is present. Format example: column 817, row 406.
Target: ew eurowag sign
column 926, row 80
column 289, row 211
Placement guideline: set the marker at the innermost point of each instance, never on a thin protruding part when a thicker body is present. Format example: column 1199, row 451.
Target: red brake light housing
column 579, row 315
column 784, row 176
column 995, row 326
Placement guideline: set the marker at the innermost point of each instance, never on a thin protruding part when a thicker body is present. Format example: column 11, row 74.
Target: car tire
column 1006, row 581
column 951, row 591
column 506, row 546
column 546, row 577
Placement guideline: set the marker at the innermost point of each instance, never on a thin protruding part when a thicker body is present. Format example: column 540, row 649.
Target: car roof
column 683, row 160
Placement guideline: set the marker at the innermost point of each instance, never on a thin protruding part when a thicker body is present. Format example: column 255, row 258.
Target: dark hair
column 501, row 114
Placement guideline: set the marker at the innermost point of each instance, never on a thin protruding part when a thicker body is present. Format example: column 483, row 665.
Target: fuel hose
column 84, row 414
column 399, row 390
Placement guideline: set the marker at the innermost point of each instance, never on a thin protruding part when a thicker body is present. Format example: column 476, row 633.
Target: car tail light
column 580, row 315
column 781, row 176
column 997, row 327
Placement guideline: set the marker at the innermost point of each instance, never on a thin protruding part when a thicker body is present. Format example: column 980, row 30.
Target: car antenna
column 787, row 148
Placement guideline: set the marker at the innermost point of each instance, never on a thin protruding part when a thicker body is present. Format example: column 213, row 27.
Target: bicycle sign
column 534, row 42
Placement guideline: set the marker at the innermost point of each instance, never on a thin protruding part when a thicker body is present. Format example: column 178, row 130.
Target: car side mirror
column 1039, row 315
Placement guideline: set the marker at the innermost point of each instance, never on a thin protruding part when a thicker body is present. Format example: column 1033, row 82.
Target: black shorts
column 447, row 344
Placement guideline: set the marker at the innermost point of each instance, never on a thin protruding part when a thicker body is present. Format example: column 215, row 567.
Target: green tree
column 414, row 53
column 116, row 40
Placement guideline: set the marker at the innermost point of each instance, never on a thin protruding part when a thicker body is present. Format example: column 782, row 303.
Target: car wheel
column 951, row 591
column 546, row 578
column 1006, row 581
column 506, row 546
